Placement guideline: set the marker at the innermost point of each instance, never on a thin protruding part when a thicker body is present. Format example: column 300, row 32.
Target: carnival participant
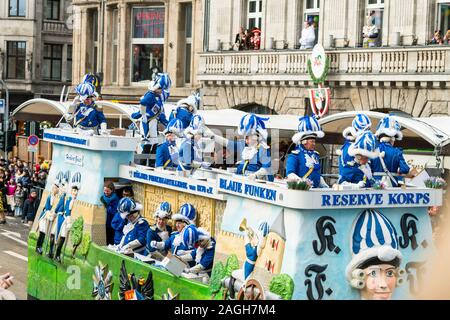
column 203, row 254
column 94, row 80
column 191, row 155
column 117, row 223
column 64, row 219
column 360, row 124
column 186, row 108
column 185, row 217
column 358, row 171
column 152, row 106
column 253, row 149
column 254, row 244
column 391, row 160
column 110, row 201
column 376, row 258
column 48, row 214
column 304, row 161
column 167, row 153
column 160, row 231
column 135, row 231
column 87, row 117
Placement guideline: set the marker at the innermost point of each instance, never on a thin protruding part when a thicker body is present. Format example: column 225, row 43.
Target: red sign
column 33, row 140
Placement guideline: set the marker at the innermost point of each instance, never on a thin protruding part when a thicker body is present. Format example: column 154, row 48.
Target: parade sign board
column 329, row 199
column 318, row 63
column 74, row 159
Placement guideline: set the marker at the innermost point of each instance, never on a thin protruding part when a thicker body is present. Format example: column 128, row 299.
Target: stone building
column 35, row 48
column 402, row 72
column 128, row 41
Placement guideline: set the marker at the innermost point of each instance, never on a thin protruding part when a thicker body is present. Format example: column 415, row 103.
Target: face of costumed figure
column 380, row 282
column 161, row 222
column 179, row 225
column 310, row 144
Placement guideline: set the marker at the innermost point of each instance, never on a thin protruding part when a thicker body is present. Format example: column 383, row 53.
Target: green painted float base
column 72, row 280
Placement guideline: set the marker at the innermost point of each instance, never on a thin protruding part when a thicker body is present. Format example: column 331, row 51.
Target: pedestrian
column 110, row 200
column 30, row 208
column 19, row 199
column 10, row 192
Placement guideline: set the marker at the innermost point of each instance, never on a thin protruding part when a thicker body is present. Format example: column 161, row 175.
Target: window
column 115, row 44
column 254, row 14
column 444, row 17
column 147, row 43
column 51, row 69
column 188, row 48
column 17, row 8
column 94, row 35
column 69, row 63
column 374, row 13
column 16, row 58
column 311, row 12
column 52, row 9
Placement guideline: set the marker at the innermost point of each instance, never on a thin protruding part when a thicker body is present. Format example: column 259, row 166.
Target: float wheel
column 253, row 291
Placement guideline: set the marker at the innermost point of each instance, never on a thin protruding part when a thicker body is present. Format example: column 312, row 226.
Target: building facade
column 35, row 48
column 127, row 42
column 400, row 72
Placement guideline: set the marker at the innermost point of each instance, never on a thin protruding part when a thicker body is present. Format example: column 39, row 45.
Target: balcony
column 56, row 27
column 352, row 66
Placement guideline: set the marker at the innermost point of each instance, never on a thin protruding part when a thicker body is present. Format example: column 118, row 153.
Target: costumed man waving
column 135, row 231
column 185, row 217
column 360, row 124
column 359, row 173
column 191, row 155
column 152, row 106
column 304, row 161
column 48, row 214
column 203, row 254
column 167, row 153
column 160, row 231
column 253, row 149
column 391, row 160
column 64, row 219
column 186, row 108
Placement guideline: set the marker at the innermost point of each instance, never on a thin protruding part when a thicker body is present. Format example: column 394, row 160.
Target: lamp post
column 6, row 117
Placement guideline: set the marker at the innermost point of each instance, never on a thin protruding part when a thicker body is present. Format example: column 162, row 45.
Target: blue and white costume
column 253, row 249
column 46, row 217
column 155, row 233
column 118, row 223
column 152, row 106
column 360, row 124
column 191, row 155
column 175, row 242
column 135, row 231
column 203, row 254
column 374, row 241
column 356, row 173
column 391, row 160
column 186, row 108
column 302, row 163
column 167, row 153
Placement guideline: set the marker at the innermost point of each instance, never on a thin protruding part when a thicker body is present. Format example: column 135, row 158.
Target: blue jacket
column 207, row 257
column 138, row 232
column 65, row 212
column 47, row 206
column 183, row 115
column 153, row 108
column 393, row 158
column 260, row 160
column 179, row 250
column 297, row 162
column 249, row 263
column 89, row 116
column 188, row 154
column 153, row 235
column 164, row 158
column 353, row 174
column 117, row 224
column 111, row 204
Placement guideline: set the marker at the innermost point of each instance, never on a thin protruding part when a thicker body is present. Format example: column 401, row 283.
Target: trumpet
column 243, row 227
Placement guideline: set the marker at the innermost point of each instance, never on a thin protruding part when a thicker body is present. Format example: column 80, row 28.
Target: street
column 13, row 254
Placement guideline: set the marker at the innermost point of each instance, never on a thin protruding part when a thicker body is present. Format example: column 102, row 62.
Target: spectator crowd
column 20, row 187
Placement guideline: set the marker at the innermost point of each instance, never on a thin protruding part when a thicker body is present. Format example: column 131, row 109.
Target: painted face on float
column 180, row 224
column 380, row 282
column 74, row 192
column 55, row 189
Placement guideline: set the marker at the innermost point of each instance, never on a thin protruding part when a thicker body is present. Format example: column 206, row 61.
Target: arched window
column 256, row 109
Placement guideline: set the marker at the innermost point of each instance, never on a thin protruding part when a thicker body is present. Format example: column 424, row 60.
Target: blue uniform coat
column 305, row 164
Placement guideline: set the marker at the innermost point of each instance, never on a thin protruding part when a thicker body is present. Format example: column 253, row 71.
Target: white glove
column 293, row 177
column 367, row 171
column 196, row 164
column 157, row 245
column 69, row 117
column 196, row 269
column 207, row 132
column 252, row 176
column 186, row 257
column 322, row 183
column 206, row 164
column 183, row 252
column 361, row 184
column 76, row 101
column 103, row 130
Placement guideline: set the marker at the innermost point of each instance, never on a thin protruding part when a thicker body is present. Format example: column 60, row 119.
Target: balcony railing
column 381, row 64
column 55, row 27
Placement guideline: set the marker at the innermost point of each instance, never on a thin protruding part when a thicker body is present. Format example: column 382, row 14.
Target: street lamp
column 6, row 117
